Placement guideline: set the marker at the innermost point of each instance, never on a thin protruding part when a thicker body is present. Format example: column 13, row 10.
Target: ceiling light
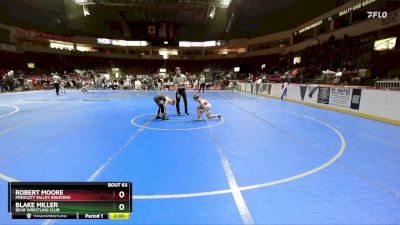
column 83, row 2
column 212, row 12
column 86, row 11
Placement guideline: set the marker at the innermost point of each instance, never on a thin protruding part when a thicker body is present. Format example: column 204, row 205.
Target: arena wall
column 380, row 105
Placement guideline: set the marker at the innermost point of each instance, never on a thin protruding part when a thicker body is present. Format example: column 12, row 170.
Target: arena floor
column 266, row 162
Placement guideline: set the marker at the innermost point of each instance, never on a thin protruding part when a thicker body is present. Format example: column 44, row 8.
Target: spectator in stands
column 21, row 80
column 103, row 82
column 138, row 85
column 34, row 82
column 300, row 76
column 9, row 81
column 63, row 84
column 258, row 82
column 97, row 82
column 196, row 84
column 151, row 84
column 161, row 83
column 73, row 84
column 85, row 86
column 29, row 84
column 179, row 82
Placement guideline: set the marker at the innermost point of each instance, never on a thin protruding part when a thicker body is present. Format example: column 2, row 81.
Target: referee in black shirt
column 179, row 82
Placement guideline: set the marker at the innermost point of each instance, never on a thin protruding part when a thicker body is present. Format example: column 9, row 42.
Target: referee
column 179, row 82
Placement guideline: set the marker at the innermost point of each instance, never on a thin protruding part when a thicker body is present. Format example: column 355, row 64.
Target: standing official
column 56, row 82
column 179, row 83
column 202, row 82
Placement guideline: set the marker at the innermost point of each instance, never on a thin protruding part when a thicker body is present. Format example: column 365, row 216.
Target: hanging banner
column 171, row 33
column 151, row 30
column 162, row 32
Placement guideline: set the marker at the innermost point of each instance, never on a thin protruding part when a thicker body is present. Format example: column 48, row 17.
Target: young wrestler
column 162, row 101
column 204, row 106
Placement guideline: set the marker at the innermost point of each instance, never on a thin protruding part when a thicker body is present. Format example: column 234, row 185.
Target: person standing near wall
column 2, row 83
column 56, row 82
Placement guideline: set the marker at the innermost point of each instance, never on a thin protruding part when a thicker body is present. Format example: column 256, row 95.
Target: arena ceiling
column 191, row 19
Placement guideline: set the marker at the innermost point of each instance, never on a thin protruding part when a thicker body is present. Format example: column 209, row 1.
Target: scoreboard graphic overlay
column 70, row 200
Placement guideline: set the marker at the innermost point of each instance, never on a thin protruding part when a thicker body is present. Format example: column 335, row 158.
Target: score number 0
column 121, row 195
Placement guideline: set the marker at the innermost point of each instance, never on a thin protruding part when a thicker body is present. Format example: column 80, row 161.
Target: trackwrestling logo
column 377, row 14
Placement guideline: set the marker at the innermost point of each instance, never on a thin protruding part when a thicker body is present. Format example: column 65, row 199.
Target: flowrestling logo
column 377, row 14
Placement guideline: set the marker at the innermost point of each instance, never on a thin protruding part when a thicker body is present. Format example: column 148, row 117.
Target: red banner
column 171, row 33
column 151, row 30
column 43, row 35
column 163, row 30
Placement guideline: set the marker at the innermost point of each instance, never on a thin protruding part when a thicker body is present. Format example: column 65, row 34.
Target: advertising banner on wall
column 340, row 97
column 355, row 99
column 311, row 90
column 323, row 95
column 303, row 90
column 345, row 97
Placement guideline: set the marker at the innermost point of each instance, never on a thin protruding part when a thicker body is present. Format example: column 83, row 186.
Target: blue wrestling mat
column 265, row 162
